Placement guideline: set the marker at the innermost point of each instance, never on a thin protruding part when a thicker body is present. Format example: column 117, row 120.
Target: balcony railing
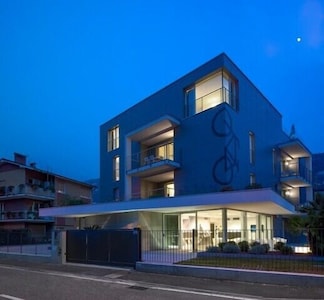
column 154, row 193
column 295, row 170
column 152, row 156
column 24, row 189
column 21, row 215
column 213, row 99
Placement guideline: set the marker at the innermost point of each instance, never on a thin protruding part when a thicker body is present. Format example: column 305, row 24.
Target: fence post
column 194, row 240
column 138, row 244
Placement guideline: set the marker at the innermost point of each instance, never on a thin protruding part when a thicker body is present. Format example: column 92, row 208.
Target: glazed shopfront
column 200, row 229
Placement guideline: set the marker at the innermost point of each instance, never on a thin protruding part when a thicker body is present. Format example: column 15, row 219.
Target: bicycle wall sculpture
column 226, row 165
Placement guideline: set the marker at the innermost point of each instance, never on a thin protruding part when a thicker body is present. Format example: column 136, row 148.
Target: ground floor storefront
column 196, row 230
column 191, row 222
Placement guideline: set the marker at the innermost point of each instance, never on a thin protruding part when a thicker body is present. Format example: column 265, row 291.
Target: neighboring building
column 205, row 153
column 95, row 191
column 24, row 189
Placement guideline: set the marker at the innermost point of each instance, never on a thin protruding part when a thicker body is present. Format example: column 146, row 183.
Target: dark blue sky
column 68, row 66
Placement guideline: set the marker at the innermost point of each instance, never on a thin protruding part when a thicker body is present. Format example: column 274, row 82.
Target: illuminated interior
column 210, row 92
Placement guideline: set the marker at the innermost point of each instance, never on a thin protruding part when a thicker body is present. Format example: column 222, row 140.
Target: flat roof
column 264, row 201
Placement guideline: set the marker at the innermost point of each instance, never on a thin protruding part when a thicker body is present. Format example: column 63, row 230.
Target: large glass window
column 210, row 92
column 165, row 151
column 113, row 138
column 169, row 189
column 116, row 169
column 171, row 231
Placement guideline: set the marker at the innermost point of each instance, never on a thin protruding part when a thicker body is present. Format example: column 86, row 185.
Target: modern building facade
column 205, row 153
column 25, row 189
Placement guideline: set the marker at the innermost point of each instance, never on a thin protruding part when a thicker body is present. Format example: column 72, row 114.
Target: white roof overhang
column 264, row 201
column 294, row 149
column 151, row 133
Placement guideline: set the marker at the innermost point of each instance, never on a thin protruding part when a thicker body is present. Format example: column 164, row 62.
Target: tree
column 314, row 222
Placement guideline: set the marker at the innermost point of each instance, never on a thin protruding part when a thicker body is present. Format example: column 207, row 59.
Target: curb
column 254, row 276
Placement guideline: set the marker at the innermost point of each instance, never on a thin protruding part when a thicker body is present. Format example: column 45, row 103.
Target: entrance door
column 171, row 231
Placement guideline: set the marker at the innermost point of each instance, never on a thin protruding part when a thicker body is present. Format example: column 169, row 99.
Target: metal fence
column 236, row 249
column 21, row 242
column 104, row 247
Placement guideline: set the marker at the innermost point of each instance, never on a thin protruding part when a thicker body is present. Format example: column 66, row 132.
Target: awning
column 264, row 201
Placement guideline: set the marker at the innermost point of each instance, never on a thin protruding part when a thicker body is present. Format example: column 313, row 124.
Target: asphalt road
column 29, row 281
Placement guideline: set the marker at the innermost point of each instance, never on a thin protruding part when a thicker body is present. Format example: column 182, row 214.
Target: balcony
column 153, row 161
column 22, row 215
column 24, row 190
column 167, row 191
column 294, row 149
column 295, row 175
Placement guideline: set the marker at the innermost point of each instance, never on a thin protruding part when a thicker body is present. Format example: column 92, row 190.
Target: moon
column 298, row 39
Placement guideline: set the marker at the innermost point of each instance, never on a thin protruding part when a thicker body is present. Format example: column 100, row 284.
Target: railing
column 154, row 193
column 240, row 252
column 22, row 215
column 152, row 155
column 295, row 170
column 21, row 242
column 199, row 240
column 18, row 214
column 23, row 189
column 213, row 99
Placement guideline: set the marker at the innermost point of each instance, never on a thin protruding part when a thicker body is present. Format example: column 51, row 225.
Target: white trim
column 264, row 201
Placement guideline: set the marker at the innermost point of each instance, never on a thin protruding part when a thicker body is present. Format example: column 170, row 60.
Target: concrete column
column 224, row 224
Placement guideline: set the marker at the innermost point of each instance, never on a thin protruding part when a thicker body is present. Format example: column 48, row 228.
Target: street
column 20, row 283
column 27, row 281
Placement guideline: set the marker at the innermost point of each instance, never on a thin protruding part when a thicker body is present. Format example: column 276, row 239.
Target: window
column 113, row 139
column 116, row 173
column 165, row 151
column 252, row 179
column 216, row 89
column 252, row 147
column 116, row 194
column 169, row 189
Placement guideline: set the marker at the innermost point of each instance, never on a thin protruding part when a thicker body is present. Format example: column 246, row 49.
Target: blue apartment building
column 206, row 153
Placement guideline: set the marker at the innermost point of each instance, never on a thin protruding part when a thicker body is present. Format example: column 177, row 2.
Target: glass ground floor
column 200, row 229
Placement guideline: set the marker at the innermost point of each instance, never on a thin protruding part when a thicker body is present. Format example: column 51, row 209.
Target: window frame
column 251, row 147
column 228, row 93
column 113, row 135
column 116, row 168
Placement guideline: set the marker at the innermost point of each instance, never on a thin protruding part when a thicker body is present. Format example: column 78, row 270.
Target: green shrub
column 278, row 246
column 286, row 250
column 221, row 245
column 231, row 248
column 258, row 249
column 244, row 246
column 255, row 243
column 213, row 249
column 267, row 247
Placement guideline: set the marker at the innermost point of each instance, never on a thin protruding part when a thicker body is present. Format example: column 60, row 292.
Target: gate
column 104, row 247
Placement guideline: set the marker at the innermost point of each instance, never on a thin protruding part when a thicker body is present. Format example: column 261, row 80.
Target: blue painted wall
column 204, row 142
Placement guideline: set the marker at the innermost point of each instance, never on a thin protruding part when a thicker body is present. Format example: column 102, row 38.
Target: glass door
column 171, row 231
